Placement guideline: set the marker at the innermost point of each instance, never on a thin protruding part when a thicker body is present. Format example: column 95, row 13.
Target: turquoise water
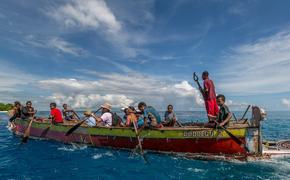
column 51, row 160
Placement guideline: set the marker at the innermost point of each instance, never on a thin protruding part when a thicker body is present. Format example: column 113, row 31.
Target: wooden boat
column 194, row 141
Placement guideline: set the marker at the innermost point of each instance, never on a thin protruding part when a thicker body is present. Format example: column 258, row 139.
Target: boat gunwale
column 184, row 128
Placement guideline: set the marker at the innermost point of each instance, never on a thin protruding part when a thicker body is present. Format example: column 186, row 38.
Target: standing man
column 209, row 96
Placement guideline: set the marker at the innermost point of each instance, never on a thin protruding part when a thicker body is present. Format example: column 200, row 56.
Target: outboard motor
column 258, row 115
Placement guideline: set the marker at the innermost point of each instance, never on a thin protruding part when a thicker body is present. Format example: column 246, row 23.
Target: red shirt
column 56, row 113
column 208, row 84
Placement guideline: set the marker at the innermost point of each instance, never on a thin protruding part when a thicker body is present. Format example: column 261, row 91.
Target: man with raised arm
column 209, row 96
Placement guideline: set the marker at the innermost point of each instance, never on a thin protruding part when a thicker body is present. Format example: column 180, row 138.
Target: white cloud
column 90, row 100
column 120, row 90
column 96, row 15
column 87, row 13
column 65, row 47
column 55, row 43
column 286, row 102
column 236, row 105
column 185, row 89
column 259, row 67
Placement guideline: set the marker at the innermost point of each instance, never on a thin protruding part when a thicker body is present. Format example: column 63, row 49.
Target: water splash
column 72, row 147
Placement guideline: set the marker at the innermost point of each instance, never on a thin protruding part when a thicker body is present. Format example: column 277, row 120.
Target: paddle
column 27, row 131
column 195, row 78
column 139, row 143
column 235, row 117
column 77, row 115
column 178, row 123
column 75, row 127
column 45, row 131
column 237, row 140
column 245, row 114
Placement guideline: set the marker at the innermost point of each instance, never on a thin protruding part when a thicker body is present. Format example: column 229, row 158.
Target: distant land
column 5, row 107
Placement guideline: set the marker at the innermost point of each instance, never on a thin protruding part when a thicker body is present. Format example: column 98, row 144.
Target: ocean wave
column 196, row 170
column 72, row 147
column 97, row 156
column 101, row 155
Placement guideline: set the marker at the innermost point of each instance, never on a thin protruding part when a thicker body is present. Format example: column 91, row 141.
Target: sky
column 87, row 52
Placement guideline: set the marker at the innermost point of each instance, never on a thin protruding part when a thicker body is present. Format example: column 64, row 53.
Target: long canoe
column 189, row 140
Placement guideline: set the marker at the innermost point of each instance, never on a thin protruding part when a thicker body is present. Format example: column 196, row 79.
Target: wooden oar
column 75, row 127
column 45, row 131
column 178, row 123
column 237, row 140
column 76, row 115
column 27, row 131
column 235, row 117
column 139, row 143
column 245, row 114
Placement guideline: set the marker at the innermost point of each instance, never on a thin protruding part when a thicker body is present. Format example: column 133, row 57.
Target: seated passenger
column 55, row 114
column 15, row 112
column 106, row 117
column 131, row 117
column 169, row 117
column 90, row 119
column 27, row 111
column 224, row 114
column 125, row 115
column 69, row 114
column 151, row 116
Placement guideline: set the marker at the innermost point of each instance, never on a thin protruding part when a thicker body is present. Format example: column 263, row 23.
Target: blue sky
column 87, row 52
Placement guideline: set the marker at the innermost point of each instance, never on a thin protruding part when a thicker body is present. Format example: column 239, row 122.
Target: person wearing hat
column 91, row 120
column 106, row 117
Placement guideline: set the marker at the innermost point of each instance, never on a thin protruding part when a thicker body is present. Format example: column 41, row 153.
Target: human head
column 106, row 107
column 52, row 105
column 205, row 75
column 142, row 106
column 64, row 106
column 220, row 99
column 132, row 108
column 170, row 108
column 29, row 104
column 17, row 104
column 126, row 111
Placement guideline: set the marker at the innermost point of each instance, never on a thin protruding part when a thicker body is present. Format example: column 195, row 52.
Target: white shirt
column 91, row 121
column 107, row 119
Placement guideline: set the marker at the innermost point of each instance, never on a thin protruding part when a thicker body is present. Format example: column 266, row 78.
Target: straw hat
column 107, row 106
column 88, row 112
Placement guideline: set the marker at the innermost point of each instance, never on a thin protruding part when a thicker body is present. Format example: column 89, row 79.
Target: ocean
column 40, row 159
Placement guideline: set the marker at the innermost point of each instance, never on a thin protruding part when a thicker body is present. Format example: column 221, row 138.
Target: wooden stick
column 27, row 131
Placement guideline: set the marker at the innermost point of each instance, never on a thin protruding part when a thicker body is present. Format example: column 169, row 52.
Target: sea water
column 39, row 159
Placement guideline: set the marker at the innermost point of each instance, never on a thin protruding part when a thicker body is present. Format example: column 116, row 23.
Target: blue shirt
column 150, row 112
column 91, row 121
